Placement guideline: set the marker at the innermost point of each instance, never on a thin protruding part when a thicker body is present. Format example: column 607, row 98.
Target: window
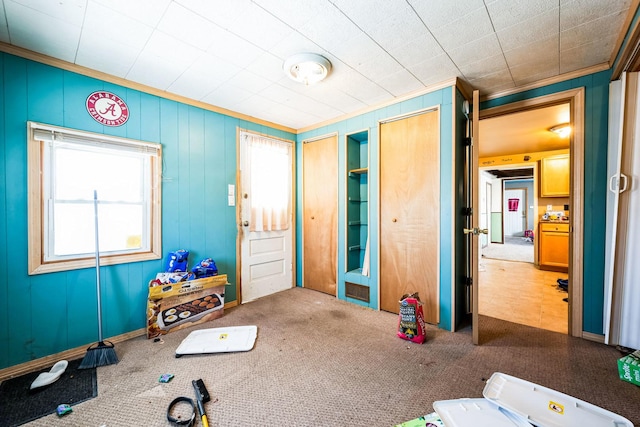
column 66, row 169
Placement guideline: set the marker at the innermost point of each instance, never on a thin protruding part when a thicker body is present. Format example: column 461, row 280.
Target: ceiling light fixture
column 563, row 130
column 307, row 68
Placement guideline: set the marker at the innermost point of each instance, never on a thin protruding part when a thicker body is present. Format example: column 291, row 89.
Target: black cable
column 182, row 422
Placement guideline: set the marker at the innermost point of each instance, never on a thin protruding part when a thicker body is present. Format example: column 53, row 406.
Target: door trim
column 576, row 100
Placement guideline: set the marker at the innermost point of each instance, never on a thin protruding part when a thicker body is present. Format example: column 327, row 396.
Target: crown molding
column 548, row 81
column 79, row 69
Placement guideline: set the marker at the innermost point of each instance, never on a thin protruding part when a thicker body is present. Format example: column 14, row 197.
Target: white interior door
column 630, row 296
column 514, row 212
column 266, row 219
column 623, row 232
column 614, row 158
column 485, row 213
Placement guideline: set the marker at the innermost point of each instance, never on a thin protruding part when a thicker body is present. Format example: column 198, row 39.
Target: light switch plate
column 549, row 208
column 231, row 195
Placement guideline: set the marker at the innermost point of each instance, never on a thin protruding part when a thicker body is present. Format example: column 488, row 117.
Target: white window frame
column 39, row 135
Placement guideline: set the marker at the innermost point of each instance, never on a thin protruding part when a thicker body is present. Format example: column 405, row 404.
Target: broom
column 102, row 353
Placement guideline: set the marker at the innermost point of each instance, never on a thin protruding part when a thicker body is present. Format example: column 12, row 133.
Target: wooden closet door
column 410, row 212
column 320, row 214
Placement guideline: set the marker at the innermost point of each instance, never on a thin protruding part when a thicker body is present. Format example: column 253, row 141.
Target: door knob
column 246, row 223
column 394, row 220
column 475, row 231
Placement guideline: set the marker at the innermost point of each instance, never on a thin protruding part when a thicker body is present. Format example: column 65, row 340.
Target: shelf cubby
column 357, row 145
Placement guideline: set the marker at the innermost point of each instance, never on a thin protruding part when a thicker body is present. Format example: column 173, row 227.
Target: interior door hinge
column 468, row 281
column 467, row 141
column 467, row 211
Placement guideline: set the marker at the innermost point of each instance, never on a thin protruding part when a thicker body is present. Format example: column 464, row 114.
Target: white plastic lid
column 476, row 413
column 545, row 407
column 219, row 340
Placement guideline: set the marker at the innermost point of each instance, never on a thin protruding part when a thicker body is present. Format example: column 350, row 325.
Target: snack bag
column 411, row 319
column 205, row 268
column 177, row 261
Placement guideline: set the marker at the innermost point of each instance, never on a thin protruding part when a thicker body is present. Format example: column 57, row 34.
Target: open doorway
column 510, row 210
column 513, row 286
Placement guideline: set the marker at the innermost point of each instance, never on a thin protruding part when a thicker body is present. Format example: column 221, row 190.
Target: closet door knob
column 394, row 220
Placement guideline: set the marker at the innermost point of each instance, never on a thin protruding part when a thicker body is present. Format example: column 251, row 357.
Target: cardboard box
column 629, row 368
column 174, row 306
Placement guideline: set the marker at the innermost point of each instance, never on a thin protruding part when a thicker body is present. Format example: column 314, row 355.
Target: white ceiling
column 229, row 53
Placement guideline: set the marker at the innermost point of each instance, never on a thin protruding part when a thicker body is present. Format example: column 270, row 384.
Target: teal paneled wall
column 58, row 310
column 595, row 183
column 443, row 99
column 4, row 249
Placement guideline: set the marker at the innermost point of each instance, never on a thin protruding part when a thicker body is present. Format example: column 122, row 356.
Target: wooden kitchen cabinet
column 553, row 246
column 554, row 172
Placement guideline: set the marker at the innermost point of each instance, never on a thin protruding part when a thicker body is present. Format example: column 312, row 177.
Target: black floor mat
column 19, row 404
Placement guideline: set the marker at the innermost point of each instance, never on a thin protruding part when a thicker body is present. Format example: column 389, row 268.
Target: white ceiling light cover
column 563, row 130
column 307, row 68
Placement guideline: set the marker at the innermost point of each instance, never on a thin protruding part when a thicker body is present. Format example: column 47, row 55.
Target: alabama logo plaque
column 107, row 108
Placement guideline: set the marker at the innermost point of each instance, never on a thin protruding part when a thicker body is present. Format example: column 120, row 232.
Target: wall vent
column 356, row 291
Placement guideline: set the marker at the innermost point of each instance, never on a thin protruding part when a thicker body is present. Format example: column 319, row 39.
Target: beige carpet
column 319, row 361
column 514, row 248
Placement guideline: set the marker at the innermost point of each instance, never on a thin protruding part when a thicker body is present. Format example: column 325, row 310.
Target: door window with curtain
column 270, row 181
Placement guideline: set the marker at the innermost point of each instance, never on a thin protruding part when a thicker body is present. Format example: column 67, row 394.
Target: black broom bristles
column 100, row 355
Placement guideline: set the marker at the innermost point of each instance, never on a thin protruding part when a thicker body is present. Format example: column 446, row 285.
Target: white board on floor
column 219, row 340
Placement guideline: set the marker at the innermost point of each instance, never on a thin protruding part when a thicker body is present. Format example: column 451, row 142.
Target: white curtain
column 270, row 182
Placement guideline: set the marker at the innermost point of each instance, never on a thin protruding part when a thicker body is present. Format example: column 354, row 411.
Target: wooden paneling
column 199, row 153
column 410, row 211
column 320, row 214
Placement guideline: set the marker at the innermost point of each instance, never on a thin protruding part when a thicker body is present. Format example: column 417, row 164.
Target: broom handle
column 95, row 211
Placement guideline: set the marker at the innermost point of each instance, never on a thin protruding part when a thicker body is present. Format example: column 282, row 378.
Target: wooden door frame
column 576, row 100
